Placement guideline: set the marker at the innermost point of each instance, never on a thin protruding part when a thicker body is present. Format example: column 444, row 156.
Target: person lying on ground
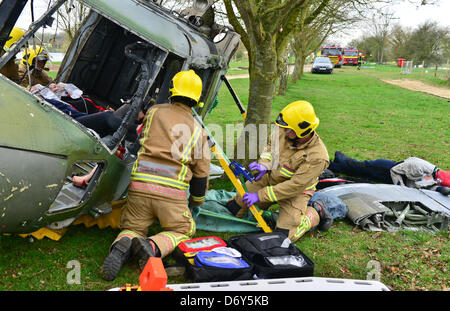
column 412, row 172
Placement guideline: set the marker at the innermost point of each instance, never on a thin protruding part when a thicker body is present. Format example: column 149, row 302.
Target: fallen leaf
column 393, row 269
column 344, row 270
column 376, row 235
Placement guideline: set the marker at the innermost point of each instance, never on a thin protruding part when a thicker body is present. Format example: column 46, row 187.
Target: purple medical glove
column 255, row 166
column 250, row 199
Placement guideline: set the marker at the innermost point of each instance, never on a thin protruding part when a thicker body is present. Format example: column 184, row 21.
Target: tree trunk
column 282, row 87
column 263, row 75
column 302, row 66
column 296, row 72
column 298, row 68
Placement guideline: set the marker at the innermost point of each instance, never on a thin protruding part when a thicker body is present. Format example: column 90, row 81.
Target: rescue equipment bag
column 201, row 244
column 273, row 255
column 204, row 264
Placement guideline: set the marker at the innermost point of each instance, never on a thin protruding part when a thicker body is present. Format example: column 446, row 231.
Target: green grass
column 426, row 75
column 52, row 74
column 360, row 115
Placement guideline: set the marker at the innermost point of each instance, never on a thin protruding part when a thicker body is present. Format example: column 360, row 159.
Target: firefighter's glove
column 250, row 199
column 255, row 166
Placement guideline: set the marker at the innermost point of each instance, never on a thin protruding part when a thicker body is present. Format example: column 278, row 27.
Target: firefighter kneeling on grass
column 288, row 173
column 167, row 165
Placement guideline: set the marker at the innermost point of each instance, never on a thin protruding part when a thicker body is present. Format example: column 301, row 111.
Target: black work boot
column 233, row 207
column 326, row 220
column 120, row 252
column 270, row 218
column 443, row 190
column 144, row 249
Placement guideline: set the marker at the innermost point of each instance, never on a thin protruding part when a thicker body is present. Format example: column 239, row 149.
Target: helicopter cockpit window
column 220, row 36
column 207, row 76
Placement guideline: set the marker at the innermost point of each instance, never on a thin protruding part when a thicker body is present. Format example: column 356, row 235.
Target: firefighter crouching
column 288, row 174
column 168, row 164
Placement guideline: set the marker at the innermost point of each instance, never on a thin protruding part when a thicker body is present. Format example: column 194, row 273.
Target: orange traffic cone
column 154, row 276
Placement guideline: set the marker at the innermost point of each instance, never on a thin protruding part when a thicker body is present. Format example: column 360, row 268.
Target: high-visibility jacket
column 292, row 170
column 10, row 69
column 174, row 155
column 37, row 76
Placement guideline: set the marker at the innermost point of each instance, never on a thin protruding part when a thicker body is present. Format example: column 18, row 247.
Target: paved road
column 306, row 68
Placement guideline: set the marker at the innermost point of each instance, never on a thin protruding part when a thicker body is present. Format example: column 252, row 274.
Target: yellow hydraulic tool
column 225, row 163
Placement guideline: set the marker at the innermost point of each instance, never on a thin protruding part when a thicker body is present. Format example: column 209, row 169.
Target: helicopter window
column 207, row 76
column 171, row 66
column 103, row 71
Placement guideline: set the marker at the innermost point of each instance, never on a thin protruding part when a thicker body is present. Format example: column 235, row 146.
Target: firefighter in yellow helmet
column 288, row 171
column 11, row 69
column 169, row 162
column 34, row 60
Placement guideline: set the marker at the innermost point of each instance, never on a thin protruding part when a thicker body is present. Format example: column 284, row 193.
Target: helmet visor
column 280, row 120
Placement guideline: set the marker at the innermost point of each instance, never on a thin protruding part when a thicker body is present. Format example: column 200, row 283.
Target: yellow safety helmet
column 31, row 53
column 14, row 35
column 300, row 117
column 187, row 84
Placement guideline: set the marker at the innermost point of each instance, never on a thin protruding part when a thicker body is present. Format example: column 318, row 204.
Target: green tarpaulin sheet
column 214, row 216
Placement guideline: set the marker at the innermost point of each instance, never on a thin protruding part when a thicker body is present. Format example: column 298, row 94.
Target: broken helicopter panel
column 123, row 47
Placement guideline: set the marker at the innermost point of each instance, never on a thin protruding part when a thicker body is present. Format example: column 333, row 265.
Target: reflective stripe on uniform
column 286, row 172
column 266, row 155
column 190, row 145
column 305, row 225
column 143, row 186
column 144, row 136
column 310, row 189
column 182, row 173
column 148, row 178
column 197, row 199
column 271, row 194
column 192, row 229
column 171, row 241
column 126, row 234
column 186, row 152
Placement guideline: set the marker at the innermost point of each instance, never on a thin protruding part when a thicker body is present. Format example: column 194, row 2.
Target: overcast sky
column 408, row 15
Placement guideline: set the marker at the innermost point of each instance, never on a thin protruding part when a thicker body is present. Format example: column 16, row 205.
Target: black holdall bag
column 273, row 255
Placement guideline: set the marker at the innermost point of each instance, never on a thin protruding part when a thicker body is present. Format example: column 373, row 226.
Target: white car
column 322, row 64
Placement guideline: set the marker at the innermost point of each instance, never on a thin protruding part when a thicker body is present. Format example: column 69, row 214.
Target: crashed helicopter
column 122, row 47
